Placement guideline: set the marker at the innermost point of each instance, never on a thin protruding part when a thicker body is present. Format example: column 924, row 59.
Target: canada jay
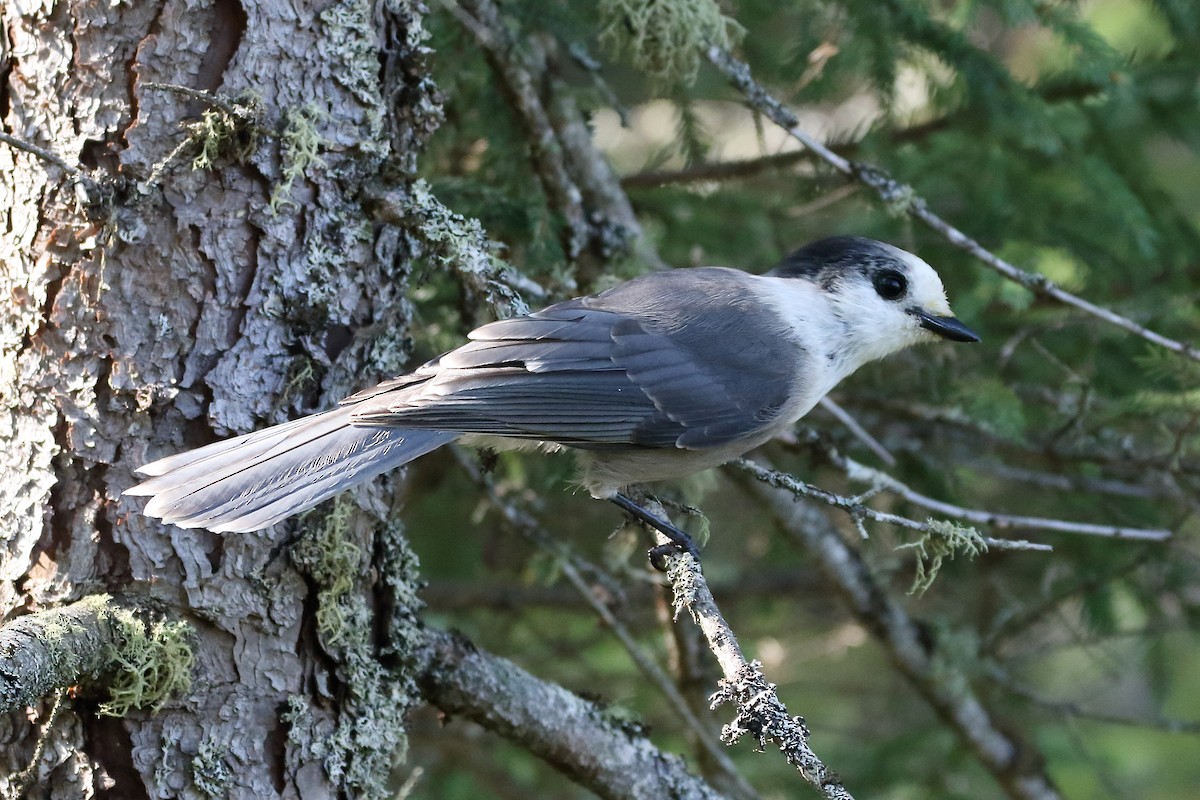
column 656, row 378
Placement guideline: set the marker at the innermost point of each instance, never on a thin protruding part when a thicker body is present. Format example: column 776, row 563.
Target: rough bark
column 180, row 307
column 612, row 759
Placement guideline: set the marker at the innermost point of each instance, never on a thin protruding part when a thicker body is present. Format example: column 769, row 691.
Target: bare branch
column 40, row 152
column 878, row 478
column 715, row 170
column 568, row 732
column 756, row 582
column 233, row 108
column 1070, row 709
column 902, row 198
column 759, row 708
column 481, row 18
column 862, row 434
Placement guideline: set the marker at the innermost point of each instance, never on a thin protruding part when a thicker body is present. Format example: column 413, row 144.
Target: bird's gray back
column 684, row 358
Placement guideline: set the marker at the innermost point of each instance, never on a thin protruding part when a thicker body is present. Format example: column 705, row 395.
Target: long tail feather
column 253, row 481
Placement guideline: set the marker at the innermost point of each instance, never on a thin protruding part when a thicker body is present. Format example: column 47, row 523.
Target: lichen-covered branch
column 40, row 152
column 759, row 709
column 145, row 660
column 855, row 507
column 565, row 730
column 52, row 649
column 1012, row 759
column 903, row 199
column 458, row 243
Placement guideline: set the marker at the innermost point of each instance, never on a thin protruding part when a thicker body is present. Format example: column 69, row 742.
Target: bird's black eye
column 890, row 284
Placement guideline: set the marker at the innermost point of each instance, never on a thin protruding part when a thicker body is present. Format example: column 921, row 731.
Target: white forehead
column 925, row 287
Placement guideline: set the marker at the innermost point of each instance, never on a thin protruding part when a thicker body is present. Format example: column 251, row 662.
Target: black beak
column 946, row 327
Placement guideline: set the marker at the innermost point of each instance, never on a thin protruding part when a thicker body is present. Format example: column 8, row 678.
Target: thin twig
column 230, row 107
column 902, row 197
column 661, row 680
column 864, row 474
column 22, row 780
column 862, row 434
column 1071, row 709
column 714, row 170
column 40, row 152
column 1013, row 760
column 854, row 505
column 481, row 18
column 759, row 710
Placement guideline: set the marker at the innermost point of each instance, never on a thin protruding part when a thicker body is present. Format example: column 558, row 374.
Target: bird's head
column 883, row 298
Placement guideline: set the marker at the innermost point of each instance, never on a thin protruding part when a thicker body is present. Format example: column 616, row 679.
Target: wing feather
column 656, row 362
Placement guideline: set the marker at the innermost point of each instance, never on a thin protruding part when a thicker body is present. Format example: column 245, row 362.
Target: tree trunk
column 159, row 306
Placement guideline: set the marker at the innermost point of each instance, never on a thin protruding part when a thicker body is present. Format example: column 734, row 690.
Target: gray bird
column 656, row 378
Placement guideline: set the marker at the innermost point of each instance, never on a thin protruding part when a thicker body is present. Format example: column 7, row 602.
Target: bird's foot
column 680, row 541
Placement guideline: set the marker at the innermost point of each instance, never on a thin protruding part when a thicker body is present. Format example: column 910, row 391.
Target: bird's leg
column 680, row 541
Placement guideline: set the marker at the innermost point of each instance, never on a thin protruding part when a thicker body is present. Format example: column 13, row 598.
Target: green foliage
column 1065, row 137
column 996, row 407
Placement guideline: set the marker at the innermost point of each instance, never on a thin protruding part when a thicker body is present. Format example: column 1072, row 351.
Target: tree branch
column 40, row 152
column 902, row 198
column 515, row 72
column 854, row 505
column 53, row 649
column 578, row 181
column 558, row 726
column 1070, row 709
column 1013, row 761
column 759, row 709
column 880, row 479
column 457, row 242
column 573, row 567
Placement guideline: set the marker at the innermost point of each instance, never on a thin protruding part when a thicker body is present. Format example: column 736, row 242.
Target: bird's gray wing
column 677, row 359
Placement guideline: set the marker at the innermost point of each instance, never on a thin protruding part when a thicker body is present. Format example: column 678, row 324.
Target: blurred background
column 1064, row 137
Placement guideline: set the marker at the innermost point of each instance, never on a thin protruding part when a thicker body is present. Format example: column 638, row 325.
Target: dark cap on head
column 837, row 253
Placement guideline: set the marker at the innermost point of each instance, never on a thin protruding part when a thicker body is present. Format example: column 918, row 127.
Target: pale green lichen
column 210, row 772
column 368, row 740
column 220, row 133
column 941, row 540
column 150, row 662
column 664, row 38
column 300, row 150
column 300, row 378
column 335, row 562
column 62, row 631
column 458, row 243
column 349, row 41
